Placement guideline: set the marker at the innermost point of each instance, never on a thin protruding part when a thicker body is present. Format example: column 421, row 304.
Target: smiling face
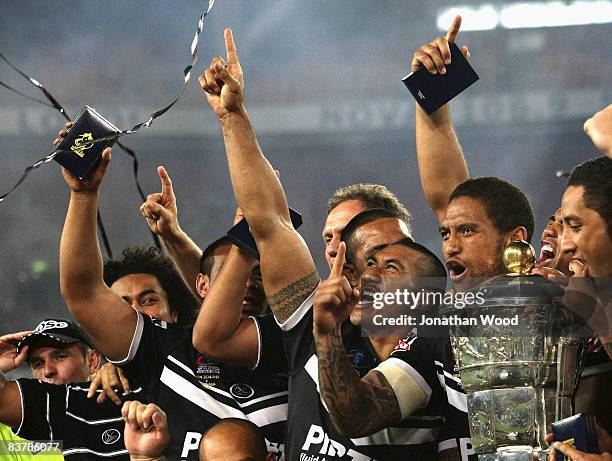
column 471, row 244
column 585, row 234
column 144, row 293
column 549, row 241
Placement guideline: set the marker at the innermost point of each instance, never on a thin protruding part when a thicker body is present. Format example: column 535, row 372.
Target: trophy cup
column 519, row 374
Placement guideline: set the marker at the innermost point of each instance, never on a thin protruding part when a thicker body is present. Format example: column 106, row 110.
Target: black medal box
column 77, row 153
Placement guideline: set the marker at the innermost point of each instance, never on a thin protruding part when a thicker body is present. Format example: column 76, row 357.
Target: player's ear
column 94, row 360
column 202, row 285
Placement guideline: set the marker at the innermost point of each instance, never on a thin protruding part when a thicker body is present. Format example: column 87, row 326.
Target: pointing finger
column 166, row 182
column 336, row 270
column 230, row 47
column 453, row 30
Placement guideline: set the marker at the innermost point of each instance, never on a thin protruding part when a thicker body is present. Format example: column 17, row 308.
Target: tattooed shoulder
column 286, row 301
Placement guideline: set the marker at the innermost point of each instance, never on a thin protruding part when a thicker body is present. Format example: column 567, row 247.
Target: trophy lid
column 519, row 257
column 531, row 289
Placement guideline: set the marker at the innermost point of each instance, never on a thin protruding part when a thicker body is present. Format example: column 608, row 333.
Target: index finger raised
column 453, row 30
column 230, row 47
column 338, row 265
column 165, row 181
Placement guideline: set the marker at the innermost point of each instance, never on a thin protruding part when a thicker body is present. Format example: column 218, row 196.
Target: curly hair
column 506, row 205
column 141, row 260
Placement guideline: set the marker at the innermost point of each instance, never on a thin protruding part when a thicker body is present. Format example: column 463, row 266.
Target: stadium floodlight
column 522, row 15
column 483, row 17
column 555, row 14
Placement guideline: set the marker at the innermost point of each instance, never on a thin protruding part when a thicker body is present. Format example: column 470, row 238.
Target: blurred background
column 325, row 94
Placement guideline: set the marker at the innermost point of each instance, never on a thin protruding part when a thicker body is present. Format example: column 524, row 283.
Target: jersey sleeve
column 271, row 352
column 144, row 361
column 37, row 400
column 298, row 336
column 413, row 362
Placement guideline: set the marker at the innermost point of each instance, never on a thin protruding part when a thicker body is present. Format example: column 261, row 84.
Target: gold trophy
column 519, row 257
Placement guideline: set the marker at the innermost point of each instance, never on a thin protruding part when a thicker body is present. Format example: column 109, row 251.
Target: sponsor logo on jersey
column 403, row 345
column 318, row 443
column 207, row 371
column 355, row 356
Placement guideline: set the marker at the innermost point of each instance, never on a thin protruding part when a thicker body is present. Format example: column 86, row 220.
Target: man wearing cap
column 54, row 407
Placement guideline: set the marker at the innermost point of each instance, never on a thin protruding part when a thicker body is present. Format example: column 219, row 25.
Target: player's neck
column 383, row 346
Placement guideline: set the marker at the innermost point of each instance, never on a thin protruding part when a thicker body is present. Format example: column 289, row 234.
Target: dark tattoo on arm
column 286, row 301
column 349, row 398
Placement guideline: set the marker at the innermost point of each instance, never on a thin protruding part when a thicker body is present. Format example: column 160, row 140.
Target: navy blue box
column 240, row 235
column 78, row 154
column 432, row 91
column 577, row 431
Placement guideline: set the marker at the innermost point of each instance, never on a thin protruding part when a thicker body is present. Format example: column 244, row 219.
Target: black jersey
column 196, row 391
column 310, row 432
column 88, row 430
column 430, row 362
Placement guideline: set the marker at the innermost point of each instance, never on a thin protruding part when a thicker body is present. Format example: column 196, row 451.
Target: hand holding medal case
column 76, row 152
column 577, row 431
column 241, row 236
column 433, row 91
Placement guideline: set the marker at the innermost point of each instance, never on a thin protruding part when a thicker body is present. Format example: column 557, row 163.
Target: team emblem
column 110, row 436
column 242, row 391
column 81, row 144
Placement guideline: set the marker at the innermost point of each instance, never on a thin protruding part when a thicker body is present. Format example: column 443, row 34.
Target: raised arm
column 599, row 129
column 287, row 267
column 348, row 397
column 109, row 320
column 220, row 331
column 161, row 212
column 441, row 163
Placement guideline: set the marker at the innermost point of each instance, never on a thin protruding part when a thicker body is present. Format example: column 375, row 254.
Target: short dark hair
column 372, row 196
column 141, row 260
column 432, row 266
column 595, row 175
column 361, row 219
column 256, row 432
column 506, row 205
column 207, row 259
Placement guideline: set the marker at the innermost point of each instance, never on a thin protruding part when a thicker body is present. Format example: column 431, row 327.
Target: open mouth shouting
column 547, row 254
column 456, row 270
column 366, row 298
